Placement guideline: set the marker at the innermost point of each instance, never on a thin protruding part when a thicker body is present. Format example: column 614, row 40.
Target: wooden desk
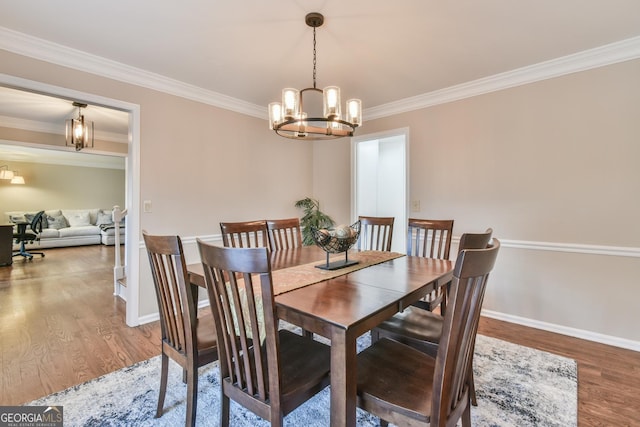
column 6, row 244
column 345, row 307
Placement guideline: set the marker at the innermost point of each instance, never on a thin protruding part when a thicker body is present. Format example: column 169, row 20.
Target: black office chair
column 24, row 236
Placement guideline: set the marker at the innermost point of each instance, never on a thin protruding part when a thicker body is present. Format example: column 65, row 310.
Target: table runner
column 299, row 276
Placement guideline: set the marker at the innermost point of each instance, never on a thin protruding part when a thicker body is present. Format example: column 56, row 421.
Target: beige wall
column 553, row 167
column 62, row 187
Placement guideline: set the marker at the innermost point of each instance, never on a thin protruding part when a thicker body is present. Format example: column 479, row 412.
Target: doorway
column 379, row 176
column 132, row 172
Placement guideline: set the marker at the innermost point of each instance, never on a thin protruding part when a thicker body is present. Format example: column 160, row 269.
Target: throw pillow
column 29, row 217
column 17, row 218
column 57, row 222
column 104, row 218
column 79, row 219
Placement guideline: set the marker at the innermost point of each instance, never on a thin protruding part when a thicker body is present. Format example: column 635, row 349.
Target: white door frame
column 374, row 136
column 132, row 193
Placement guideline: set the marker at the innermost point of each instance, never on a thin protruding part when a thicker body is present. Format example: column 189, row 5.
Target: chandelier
column 79, row 132
column 290, row 119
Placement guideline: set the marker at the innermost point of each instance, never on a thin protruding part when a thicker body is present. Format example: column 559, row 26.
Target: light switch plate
column 146, row 206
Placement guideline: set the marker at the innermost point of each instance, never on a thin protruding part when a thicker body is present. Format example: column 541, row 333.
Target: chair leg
column 472, row 389
column 192, row 395
column 375, row 335
column 224, row 411
column 466, row 416
column 164, row 371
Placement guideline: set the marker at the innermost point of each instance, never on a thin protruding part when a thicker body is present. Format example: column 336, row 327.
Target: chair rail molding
column 577, row 248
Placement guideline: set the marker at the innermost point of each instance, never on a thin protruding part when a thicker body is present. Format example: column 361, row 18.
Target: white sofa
column 72, row 227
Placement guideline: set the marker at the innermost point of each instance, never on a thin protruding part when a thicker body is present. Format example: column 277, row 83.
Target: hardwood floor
column 60, row 325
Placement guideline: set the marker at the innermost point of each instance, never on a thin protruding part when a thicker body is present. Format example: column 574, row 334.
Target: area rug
column 515, row 386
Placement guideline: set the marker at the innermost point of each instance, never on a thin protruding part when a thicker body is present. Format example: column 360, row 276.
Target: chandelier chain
column 314, row 57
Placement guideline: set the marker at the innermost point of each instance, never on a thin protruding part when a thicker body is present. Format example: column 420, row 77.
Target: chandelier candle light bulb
column 332, row 102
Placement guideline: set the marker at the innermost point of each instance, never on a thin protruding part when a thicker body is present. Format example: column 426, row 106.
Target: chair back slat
column 429, row 238
column 245, row 234
column 284, row 233
column 376, row 233
column 175, row 302
column 239, row 282
column 460, row 326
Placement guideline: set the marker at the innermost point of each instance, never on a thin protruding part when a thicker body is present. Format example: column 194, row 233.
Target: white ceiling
column 376, row 50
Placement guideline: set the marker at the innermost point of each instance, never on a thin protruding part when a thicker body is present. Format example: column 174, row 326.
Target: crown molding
column 44, row 50
column 609, row 54
column 40, row 49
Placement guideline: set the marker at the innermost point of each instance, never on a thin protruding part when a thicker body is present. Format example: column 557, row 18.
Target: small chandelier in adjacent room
column 17, row 179
column 79, row 131
column 5, row 173
column 291, row 120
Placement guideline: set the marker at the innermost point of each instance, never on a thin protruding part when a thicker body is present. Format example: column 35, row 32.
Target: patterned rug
column 515, row 386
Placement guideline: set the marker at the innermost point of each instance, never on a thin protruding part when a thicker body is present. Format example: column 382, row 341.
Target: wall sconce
column 79, row 132
column 17, row 179
column 6, row 173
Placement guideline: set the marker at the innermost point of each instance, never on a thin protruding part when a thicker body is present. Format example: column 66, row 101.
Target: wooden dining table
column 343, row 308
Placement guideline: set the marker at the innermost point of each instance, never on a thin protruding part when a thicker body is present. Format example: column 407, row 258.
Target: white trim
column 132, row 196
column 24, row 44
column 86, row 158
column 565, row 330
column 37, row 126
column 613, row 53
column 576, row 248
column 573, row 248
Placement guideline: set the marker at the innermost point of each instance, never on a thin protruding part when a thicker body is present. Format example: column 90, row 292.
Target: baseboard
column 156, row 316
column 564, row 330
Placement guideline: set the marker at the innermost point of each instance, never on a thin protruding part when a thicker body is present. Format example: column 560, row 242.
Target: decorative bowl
column 337, row 239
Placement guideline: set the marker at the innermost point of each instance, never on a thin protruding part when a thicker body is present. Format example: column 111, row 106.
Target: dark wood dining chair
column 284, row 233
column 405, row 386
column 376, row 233
column 244, row 234
column 270, row 375
column 430, row 238
column 422, row 329
column 187, row 338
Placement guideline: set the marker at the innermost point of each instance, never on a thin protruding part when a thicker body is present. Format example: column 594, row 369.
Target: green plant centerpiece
column 313, row 218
